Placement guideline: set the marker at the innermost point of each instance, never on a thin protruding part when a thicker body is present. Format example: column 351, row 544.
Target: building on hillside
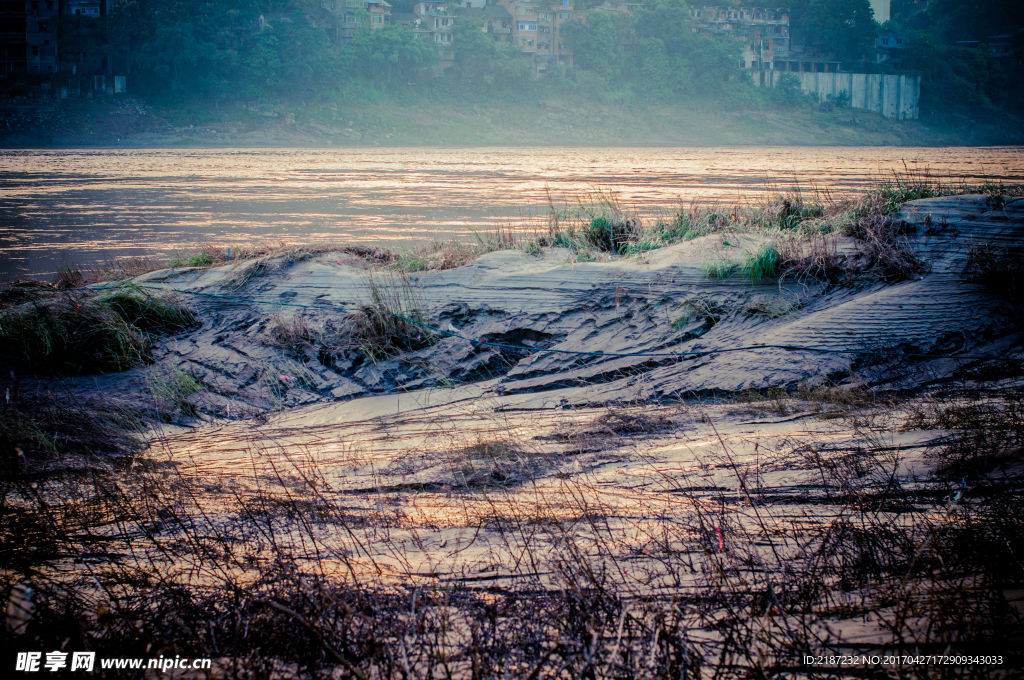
column 346, row 15
column 88, row 8
column 30, row 37
column 13, row 43
column 616, row 7
column 41, row 36
column 764, row 32
column 999, row 47
column 890, row 46
column 434, row 23
column 535, row 28
column 500, row 28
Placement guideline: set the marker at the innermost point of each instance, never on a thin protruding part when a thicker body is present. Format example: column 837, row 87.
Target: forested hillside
column 203, row 55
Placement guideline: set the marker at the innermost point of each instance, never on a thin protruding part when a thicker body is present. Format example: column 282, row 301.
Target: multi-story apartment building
column 346, row 15
column 500, row 28
column 764, row 32
column 13, row 51
column 535, row 28
column 434, row 23
column 41, row 35
column 28, row 36
column 618, row 6
column 29, row 33
column 89, row 8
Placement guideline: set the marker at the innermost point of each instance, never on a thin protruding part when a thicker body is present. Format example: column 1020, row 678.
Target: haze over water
column 89, row 206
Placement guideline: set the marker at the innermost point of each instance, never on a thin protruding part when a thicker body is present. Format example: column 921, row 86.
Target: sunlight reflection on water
column 88, row 206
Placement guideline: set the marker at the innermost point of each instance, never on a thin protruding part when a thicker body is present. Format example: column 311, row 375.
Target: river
column 88, row 206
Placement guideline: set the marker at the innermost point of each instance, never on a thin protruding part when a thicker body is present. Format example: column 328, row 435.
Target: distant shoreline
column 129, row 122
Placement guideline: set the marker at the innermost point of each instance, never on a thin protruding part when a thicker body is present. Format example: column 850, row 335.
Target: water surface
column 89, row 206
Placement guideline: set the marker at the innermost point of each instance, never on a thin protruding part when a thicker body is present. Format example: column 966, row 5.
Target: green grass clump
column 148, row 312
column 409, row 264
column 172, row 393
column 722, row 269
column 202, row 259
column 70, row 334
column 80, row 332
column 763, row 264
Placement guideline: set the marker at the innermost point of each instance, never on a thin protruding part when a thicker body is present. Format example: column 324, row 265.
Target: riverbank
column 645, row 449
column 126, row 121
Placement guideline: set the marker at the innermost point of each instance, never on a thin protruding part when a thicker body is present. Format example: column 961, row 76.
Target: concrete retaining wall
column 892, row 96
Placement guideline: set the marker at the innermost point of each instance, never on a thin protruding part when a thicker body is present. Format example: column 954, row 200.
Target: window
column 49, row 5
column 351, row 3
column 525, row 26
column 566, row 3
column 378, row 18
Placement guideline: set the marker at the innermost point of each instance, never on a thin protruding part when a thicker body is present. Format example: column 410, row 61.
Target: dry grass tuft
column 995, row 268
column 437, row 256
column 50, row 428
column 815, row 257
column 390, row 321
column 887, row 248
column 294, row 333
column 987, row 432
column 501, row 462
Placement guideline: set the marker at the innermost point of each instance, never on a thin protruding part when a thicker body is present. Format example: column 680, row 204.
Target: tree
column 482, row 59
column 294, row 56
column 669, row 22
column 175, row 56
column 956, row 20
column 389, row 55
column 595, row 41
column 843, row 29
column 696, row 64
